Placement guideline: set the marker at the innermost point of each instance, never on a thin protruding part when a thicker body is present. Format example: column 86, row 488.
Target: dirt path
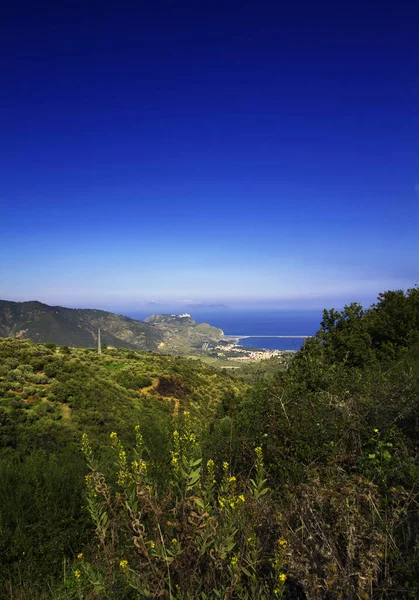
column 150, row 388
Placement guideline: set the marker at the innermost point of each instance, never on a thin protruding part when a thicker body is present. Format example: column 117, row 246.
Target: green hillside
column 183, row 333
column 79, row 328
column 48, row 398
column 133, row 474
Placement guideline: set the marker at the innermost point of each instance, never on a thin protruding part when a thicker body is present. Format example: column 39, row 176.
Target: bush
column 195, row 539
column 133, row 381
column 50, row 346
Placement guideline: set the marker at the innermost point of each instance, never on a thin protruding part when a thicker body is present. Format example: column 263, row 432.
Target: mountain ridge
column 43, row 323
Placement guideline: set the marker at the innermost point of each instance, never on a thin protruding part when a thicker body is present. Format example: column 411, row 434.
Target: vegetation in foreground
column 178, row 508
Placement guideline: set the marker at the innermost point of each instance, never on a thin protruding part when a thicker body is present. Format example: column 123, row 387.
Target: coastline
column 229, row 348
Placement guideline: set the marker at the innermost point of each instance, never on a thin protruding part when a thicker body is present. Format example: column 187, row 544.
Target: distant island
column 195, row 305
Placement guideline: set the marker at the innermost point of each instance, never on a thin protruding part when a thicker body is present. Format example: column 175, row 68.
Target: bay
column 257, row 323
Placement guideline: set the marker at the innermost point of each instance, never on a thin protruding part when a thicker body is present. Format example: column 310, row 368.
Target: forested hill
column 78, row 327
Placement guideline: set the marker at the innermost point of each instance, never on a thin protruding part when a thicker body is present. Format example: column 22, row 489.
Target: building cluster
column 231, row 351
column 257, row 355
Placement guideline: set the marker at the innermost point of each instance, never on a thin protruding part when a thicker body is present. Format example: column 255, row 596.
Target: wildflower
column 232, row 504
column 375, row 430
column 232, row 479
column 221, row 502
column 225, row 465
column 249, row 539
column 152, row 545
column 241, row 498
column 176, row 433
column 174, row 541
column 113, row 435
column 210, row 464
column 80, row 555
column 234, row 560
column 77, row 574
column 282, row 577
column 143, row 466
column 282, row 542
column 123, row 564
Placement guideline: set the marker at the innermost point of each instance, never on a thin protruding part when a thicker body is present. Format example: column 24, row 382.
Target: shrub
column 133, row 381
column 195, row 539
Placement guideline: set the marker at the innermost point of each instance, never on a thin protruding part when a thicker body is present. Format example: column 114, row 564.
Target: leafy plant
column 196, row 538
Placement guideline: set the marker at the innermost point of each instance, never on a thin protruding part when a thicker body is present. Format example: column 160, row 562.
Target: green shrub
column 133, row 381
column 195, row 539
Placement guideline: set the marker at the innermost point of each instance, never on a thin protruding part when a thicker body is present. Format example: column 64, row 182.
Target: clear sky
column 239, row 152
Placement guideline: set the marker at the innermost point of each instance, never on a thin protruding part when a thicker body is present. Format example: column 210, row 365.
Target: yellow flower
column 225, row 465
column 152, row 545
column 123, row 564
column 232, row 479
column 232, row 504
column 210, row 464
column 113, row 435
column 282, row 577
column 234, row 560
column 241, row 497
column 282, row 542
column 80, row 555
column 77, row 574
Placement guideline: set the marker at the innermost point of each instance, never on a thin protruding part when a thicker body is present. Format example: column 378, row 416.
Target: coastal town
column 230, row 349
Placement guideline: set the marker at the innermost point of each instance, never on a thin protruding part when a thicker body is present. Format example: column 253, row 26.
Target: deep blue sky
column 248, row 153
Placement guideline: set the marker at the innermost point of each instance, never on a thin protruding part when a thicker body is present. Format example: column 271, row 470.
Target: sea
column 256, row 324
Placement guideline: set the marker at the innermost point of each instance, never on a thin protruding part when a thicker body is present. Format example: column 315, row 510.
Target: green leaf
column 199, row 502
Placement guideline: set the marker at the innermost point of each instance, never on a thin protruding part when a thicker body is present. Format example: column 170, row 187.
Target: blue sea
column 258, row 323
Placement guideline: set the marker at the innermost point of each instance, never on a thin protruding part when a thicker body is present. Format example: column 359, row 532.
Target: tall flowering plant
column 199, row 538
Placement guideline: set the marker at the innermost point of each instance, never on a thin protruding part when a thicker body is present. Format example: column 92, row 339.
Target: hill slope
column 182, row 332
column 78, row 327
column 48, row 398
